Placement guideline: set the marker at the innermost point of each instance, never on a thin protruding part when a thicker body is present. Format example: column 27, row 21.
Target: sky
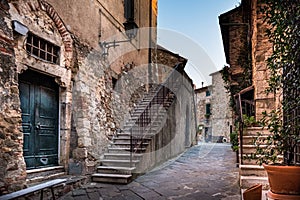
column 191, row 29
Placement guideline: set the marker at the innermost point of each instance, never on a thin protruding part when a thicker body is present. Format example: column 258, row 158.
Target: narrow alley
column 206, row 172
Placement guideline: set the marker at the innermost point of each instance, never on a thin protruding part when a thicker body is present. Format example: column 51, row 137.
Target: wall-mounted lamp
column 19, row 27
column 131, row 32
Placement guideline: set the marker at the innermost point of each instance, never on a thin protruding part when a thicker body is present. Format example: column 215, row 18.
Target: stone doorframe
column 62, row 71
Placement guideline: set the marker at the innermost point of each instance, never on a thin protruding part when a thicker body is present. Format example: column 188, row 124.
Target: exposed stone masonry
column 12, row 165
column 262, row 49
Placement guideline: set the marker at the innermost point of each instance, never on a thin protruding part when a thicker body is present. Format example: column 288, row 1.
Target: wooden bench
column 42, row 186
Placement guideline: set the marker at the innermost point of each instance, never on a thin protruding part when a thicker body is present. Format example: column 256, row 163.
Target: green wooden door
column 39, row 105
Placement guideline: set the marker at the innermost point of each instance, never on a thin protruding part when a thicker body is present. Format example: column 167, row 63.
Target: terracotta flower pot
column 253, row 193
column 284, row 179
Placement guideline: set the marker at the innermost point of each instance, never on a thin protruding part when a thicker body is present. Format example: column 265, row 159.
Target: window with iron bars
column 42, row 49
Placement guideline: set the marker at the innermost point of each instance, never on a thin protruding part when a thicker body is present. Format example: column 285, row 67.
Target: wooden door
column 39, row 105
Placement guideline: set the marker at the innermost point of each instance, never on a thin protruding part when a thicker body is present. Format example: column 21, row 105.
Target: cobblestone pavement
column 204, row 172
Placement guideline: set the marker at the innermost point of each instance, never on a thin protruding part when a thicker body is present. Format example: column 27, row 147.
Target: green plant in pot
column 275, row 153
column 280, row 155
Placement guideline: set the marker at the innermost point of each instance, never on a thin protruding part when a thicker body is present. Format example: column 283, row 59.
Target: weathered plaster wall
column 12, row 164
column 178, row 130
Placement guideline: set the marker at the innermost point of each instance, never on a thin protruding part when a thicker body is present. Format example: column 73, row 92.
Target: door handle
column 38, row 125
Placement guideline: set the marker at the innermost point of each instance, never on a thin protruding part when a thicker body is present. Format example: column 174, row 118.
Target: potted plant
column 275, row 153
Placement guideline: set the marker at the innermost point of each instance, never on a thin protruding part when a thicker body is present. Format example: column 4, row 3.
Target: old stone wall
column 204, row 122
column 235, row 34
column 221, row 111
column 12, row 165
column 262, row 49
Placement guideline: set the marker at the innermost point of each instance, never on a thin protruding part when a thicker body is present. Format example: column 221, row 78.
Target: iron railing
column 157, row 105
column 243, row 107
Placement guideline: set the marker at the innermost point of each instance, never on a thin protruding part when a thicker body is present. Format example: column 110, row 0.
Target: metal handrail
column 145, row 117
column 239, row 104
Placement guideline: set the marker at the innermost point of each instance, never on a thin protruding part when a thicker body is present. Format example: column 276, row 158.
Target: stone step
column 248, row 181
column 248, row 148
column 252, row 170
column 43, row 174
column 136, row 115
column 247, row 161
column 126, row 136
column 134, row 138
column 126, row 149
column 154, row 122
column 121, row 156
column 115, row 170
column 137, row 128
column 128, row 144
column 255, row 131
column 111, row 178
column 249, row 140
column 119, row 163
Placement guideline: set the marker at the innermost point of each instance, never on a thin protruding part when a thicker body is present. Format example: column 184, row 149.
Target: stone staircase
column 250, row 172
column 121, row 161
column 43, row 174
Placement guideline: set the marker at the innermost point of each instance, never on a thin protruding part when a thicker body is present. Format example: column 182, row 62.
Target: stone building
column 203, row 105
column 221, row 112
column 247, row 49
column 70, row 74
column 214, row 115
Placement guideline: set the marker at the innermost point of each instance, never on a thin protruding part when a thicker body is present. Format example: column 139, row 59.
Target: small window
column 42, row 49
column 207, row 93
column 208, row 109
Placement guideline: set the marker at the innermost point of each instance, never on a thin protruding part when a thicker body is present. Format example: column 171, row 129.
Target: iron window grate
column 42, row 49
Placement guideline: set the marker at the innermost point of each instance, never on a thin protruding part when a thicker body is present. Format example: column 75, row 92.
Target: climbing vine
column 283, row 18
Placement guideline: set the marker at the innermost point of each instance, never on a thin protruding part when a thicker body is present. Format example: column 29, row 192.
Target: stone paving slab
column 206, row 172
